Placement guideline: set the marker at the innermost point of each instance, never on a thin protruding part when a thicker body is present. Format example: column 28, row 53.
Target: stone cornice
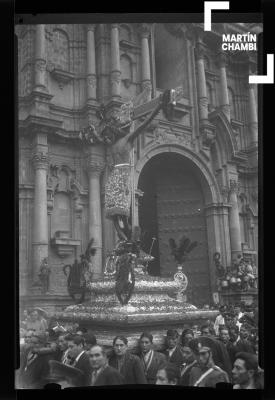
column 33, row 124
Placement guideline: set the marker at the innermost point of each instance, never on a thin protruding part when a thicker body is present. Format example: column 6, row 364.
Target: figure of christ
column 118, row 186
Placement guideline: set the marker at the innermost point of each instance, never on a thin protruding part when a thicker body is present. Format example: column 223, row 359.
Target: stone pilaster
column 253, row 116
column 207, row 130
column 225, row 105
column 91, row 63
column 145, row 58
column 40, row 219
column 115, row 61
column 234, row 221
column 40, row 59
column 95, row 166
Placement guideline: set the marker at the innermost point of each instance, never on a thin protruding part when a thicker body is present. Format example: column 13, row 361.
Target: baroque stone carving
column 144, row 30
column 40, row 65
column 91, row 81
column 40, row 160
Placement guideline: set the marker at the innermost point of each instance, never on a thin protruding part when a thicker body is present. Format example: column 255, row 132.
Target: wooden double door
column 173, row 205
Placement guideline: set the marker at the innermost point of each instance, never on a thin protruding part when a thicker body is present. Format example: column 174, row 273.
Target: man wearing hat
column 173, row 352
column 206, row 373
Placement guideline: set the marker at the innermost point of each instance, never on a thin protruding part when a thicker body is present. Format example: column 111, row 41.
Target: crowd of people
column 223, row 351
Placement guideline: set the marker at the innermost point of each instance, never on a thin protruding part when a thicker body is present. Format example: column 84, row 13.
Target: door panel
column 180, row 207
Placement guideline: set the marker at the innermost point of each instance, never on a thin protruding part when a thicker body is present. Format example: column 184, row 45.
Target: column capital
column 40, row 160
column 144, row 30
column 222, row 59
column 115, row 26
column 94, row 166
column 91, row 27
column 234, row 186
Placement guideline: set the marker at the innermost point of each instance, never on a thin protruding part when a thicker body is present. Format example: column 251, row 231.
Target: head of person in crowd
column 188, row 354
column 224, row 334
column 186, row 336
column 90, row 340
column 62, row 342
column 245, row 331
column 169, row 374
column 34, row 316
column 37, row 342
column 75, row 345
column 28, row 335
column 205, row 357
column 233, row 333
column 98, row 357
column 222, row 310
column 246, row 371
column 205, row 330
column 120, row 345
column 172, row 338
column 145, row 342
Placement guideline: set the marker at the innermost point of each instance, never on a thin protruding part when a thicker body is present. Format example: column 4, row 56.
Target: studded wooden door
column 180, row 210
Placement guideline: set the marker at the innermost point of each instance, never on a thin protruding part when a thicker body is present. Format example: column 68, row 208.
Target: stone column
column 95, row 166
column 234, row 221
column 115, row 61
column 145, row 58
column 202, row 91
column 91, row 63
column 40, row 58
column 225, row 105
column 253, row 117
column 40, row 216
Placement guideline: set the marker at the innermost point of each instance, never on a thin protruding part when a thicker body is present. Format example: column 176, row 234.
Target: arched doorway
column 172, row 205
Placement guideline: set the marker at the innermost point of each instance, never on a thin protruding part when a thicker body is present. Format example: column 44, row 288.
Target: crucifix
column 119, row 132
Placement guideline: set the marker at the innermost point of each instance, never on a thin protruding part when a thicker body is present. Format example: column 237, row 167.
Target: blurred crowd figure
column 219, row 352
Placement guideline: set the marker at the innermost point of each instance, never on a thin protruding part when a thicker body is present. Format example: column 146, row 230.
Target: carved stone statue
column 44, row 276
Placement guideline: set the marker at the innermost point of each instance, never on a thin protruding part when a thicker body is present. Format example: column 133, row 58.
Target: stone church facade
column 195, row 174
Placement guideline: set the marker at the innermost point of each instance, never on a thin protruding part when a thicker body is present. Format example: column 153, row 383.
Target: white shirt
column 219, row 321
column 171, row 351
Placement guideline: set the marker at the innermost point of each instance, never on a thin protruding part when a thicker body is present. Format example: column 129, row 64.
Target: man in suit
column 102, row 374
column 129, row 365
column 34, row 367
column 151, row 360
column 79, row 357
column 206, row 373
column 173, row 352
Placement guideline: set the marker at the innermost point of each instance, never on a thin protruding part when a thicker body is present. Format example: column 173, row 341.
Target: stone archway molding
column 208, row 182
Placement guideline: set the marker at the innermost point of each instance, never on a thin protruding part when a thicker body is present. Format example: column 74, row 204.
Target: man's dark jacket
column 176, row 358
column 132, row 369
column 35, row 376
column 84, row 365
column 109, row 376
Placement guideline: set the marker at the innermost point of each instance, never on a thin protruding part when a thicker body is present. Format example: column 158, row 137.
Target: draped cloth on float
column 118, row 191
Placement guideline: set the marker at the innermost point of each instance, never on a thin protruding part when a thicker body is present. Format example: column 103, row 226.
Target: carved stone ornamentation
column 144, row 30
column 91, row 81
column 40, row 65
column 234, row 186
column 115, row 78
column 94, row 166
column 40, row 160
column 208, row 133
column 222, row 59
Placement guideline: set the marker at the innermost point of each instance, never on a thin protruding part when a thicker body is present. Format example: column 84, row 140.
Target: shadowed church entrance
column 173, row 205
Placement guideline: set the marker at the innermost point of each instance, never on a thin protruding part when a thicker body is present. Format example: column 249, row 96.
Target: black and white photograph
column 138, row 204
